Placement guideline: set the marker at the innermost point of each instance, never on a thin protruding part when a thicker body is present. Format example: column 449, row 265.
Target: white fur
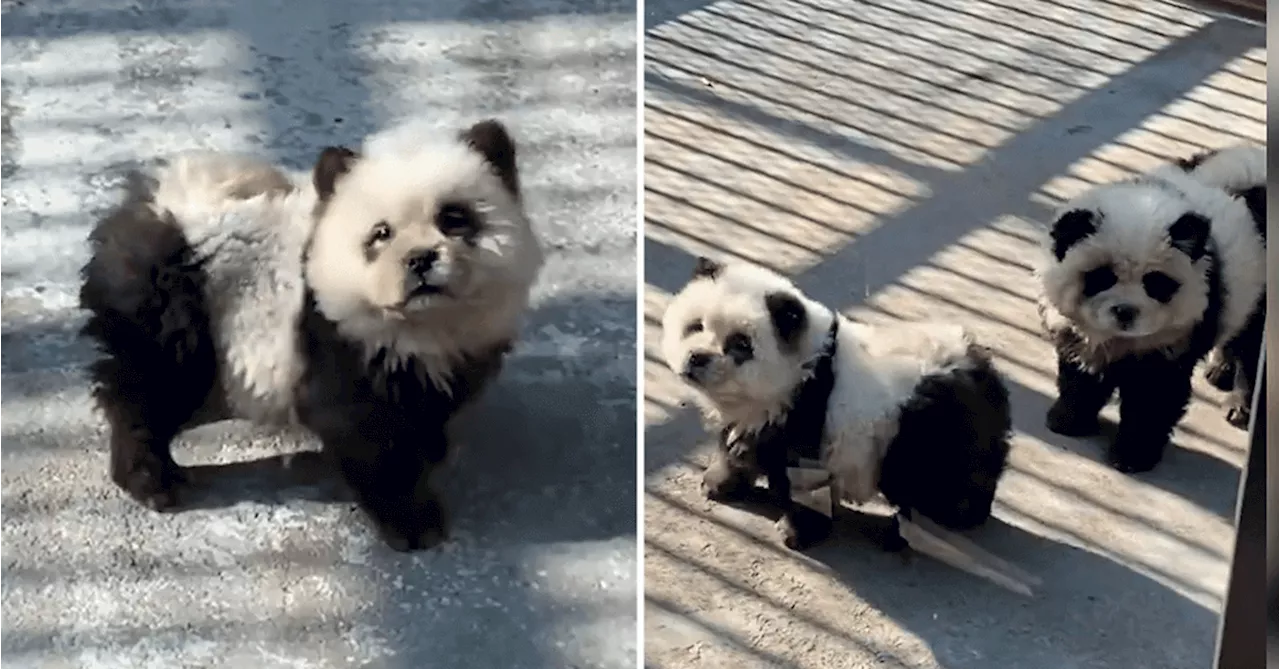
column 250, row 223
column 252, row 249
column 876, row 368
column 406, row 181
column 1132, row 238
column 1233, row 168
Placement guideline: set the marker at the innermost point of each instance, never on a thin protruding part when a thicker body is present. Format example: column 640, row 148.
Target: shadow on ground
column 893, row 159
column 266, row 569
column 968, row 623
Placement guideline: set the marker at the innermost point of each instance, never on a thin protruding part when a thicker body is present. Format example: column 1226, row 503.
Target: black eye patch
column 738, row 347
column 693, row 328
column 1160, row 286
column 457, row 220
column 1098, row 279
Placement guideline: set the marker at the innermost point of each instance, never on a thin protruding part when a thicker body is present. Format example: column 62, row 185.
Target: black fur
column 790, row 321
column 333, row 162
column 1190, row 164
column 384, row 429
column 145, row 291
column 493, row 142
column 707, row 268
column 944, row 463
column 1256, row 199
column 952, row 445
column 1070, row 229
column 1238, row 367
column 1155, row 387
column 777, row 446
column 1190, row 234
column 1235, row 371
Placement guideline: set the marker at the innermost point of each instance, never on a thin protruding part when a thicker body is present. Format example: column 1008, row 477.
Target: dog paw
column 721, row 483
column 1062, row 420
column 1132, row 456
column 802, row 528
column 420, row 527
column 892, row 541
column 152, row 481
column 1238, row 416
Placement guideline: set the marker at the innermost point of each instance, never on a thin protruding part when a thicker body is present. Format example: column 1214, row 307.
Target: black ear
column 334, row 161
column 491, row 140
column 707, row 268
column 1190, row 234
column 789, row 317
column 1070, row 229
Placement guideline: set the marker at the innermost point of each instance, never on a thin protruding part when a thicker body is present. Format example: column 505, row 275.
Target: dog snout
column 696, row 364
column 420, row 261
column 1124, row 314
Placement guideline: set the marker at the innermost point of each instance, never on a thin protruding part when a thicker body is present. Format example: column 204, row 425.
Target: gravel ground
column 898, row 158
column 542, row 570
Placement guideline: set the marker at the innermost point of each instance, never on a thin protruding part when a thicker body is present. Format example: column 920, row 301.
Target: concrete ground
column 897, row 157
column 542, row 570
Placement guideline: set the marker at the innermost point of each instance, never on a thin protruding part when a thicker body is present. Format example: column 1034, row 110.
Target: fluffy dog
column 914, row 412
column 1140, row 279
column 367, row 303
column 1242, row 172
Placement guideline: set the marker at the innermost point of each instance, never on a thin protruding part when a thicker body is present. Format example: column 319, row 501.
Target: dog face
column 1129, row 261
column 738, row 335
column 403, row 234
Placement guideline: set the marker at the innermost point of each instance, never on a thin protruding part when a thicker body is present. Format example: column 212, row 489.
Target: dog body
column 914, row 412
column 367, row 303
column 1140, row 280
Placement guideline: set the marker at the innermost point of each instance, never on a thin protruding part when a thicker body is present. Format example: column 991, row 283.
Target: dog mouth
column 424, row 290
column 417, row 299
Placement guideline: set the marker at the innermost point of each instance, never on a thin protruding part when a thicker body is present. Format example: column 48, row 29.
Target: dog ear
column 333, row 162
column 790, row 320
column 1190, row 234
column 706, row 268
column 490, row 139
column 1070, row 229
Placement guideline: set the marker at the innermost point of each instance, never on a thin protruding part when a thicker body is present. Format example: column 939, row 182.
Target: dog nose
column 419, row 261
column 1124, row 314
column 696, row 363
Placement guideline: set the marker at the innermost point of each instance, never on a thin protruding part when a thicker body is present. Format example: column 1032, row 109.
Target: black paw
column 1132, row 456
column 892, row 541
column 722, row 483
column 1238, row 416
column 420, row 526
column 802, row 528
column 154, row 482
column 1221, row 373
column 1062, row 420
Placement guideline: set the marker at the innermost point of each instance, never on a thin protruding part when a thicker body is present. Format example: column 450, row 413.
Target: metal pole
column 1250, row 607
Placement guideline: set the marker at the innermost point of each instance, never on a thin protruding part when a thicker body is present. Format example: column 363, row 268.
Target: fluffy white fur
column 1132, row 237
column 488, row 282
column 249, row 222
column 1233, row 168
column 252, row 222
column 876, row 368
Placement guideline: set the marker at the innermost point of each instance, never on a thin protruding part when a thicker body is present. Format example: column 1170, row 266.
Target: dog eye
column 1160, row 286
column 380, row 233
column 738, row 345
column 454, row 219
column 693, row 328
column 1098, row 279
